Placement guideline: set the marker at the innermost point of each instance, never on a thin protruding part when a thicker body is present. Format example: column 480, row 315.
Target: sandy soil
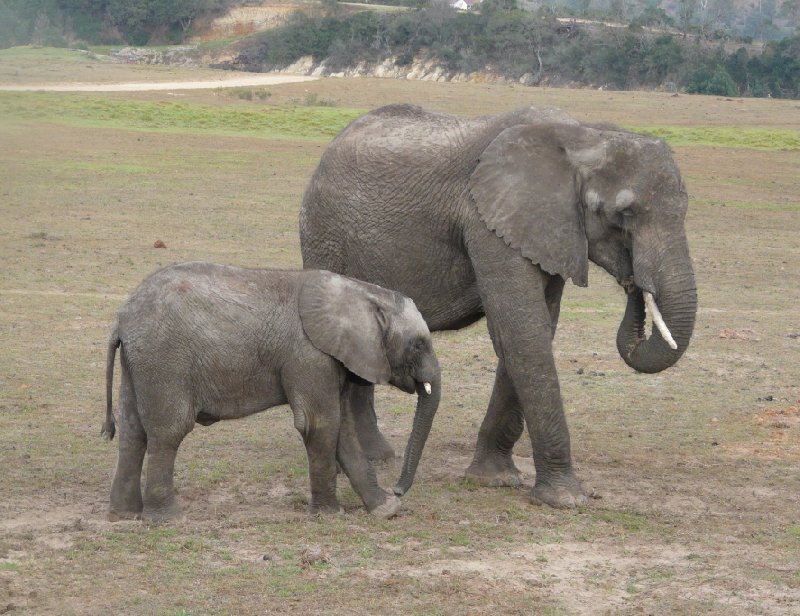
column 234, row 82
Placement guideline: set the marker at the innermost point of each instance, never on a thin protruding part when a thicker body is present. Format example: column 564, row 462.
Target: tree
column 686, row 12
column 791, row 10
column 662, row 59
column 706, row 81
column 654, row 16
column 736, row 65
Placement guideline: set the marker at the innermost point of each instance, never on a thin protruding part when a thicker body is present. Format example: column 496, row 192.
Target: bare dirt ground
column 696, row 470
column 228, row 81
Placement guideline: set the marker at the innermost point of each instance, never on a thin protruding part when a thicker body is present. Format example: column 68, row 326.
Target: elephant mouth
column 423, row 388
column 651, row 313
column 651, row 309
column 669, row 309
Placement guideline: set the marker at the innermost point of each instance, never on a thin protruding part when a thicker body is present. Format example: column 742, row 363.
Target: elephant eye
column 626, row 218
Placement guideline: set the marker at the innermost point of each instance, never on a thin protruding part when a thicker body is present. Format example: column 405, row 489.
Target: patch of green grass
column 157, row 540
column 287, row 581
column 750, row 138
column 208, row 473
column 44, row 54
column 632, row 522
column 461, row 539
column 659, row 574
column 309, row 122
column 9, row 566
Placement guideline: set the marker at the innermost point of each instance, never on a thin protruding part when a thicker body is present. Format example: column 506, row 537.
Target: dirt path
column 236, row 82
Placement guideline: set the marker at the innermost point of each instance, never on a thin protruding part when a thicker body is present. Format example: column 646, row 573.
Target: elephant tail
column 110, row 427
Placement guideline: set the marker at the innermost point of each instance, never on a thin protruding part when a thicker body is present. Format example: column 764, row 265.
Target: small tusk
column 427, row 387
column 658, row 320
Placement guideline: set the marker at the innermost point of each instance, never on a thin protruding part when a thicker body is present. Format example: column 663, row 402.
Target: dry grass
column 698, row 467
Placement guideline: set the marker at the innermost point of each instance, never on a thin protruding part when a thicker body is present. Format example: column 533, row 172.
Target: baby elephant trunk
column 428, row 394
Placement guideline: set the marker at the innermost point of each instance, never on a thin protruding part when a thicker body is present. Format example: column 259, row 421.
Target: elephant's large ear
column 526, row 190
column 345, row 319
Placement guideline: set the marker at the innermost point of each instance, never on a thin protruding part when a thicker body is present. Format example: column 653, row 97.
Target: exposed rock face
column 419, row 69
column 179, row 54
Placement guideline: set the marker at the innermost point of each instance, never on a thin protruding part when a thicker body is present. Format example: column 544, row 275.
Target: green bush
column 707, row 81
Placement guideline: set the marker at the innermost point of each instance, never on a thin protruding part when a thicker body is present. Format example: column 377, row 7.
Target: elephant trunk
column 428, row 394
column 675, row 297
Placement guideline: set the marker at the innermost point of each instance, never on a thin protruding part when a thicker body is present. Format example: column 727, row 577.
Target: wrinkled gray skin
column 474, row 216
column 201, row 343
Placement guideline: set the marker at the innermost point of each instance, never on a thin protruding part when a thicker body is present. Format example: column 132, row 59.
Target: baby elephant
column 203, row 342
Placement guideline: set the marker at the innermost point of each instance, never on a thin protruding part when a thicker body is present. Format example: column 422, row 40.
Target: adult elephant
column 489, row 215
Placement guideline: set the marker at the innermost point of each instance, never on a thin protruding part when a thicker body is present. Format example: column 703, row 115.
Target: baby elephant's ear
column 343, row 318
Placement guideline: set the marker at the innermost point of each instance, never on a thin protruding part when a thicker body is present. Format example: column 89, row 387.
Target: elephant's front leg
column 357, row 466
column 504, row 422
column 514, row 293
column 361, row 401
column 537, row 384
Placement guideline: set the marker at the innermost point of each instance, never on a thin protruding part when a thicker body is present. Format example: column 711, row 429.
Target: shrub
column 706, row 81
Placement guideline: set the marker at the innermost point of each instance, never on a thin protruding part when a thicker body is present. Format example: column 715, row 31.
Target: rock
column 303, row 66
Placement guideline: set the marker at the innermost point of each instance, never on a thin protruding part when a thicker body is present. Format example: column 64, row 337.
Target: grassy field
column 696, row 469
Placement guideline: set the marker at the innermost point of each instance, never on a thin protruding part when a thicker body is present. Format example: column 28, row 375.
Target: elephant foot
column 161, row 515
column 494, row 471
column 116, row 515
column 388, row 509
column 563, row 492
column 324, row 510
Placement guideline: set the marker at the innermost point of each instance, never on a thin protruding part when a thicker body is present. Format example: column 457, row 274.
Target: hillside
column 531, row 48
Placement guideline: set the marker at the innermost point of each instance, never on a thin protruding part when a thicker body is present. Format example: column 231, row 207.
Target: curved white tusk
column 427, row 387
column 658, row 320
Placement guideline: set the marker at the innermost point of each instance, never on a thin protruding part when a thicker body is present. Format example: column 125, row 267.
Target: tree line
column 531, row 46
column 58, row 23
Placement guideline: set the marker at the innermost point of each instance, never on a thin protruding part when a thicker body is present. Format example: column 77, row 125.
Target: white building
column 464, row 5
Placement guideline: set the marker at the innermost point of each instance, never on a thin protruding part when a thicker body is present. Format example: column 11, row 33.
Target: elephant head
column 563, row 194
column 380, row 336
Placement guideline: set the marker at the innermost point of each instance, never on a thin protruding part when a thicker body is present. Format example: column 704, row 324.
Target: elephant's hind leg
column 126, row 491
column 504, row 423
column 160, row 504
